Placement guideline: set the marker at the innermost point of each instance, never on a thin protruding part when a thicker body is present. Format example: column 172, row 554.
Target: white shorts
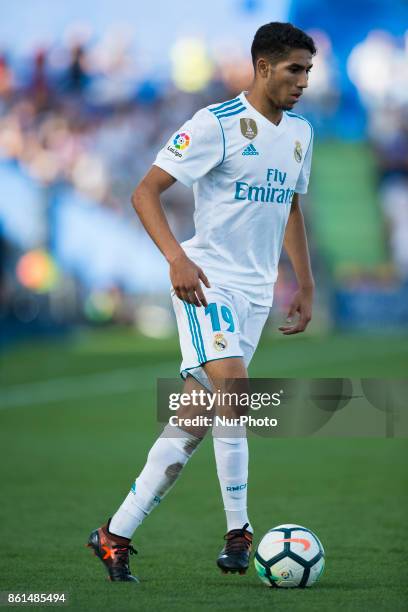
column 229, row 327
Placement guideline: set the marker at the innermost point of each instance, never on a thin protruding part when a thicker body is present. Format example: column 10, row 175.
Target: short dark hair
column 277, row 39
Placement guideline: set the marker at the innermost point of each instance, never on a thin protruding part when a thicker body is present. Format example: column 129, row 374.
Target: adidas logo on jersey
column 250, row 150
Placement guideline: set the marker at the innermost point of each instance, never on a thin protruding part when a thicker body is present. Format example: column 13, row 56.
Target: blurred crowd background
column 84, row 111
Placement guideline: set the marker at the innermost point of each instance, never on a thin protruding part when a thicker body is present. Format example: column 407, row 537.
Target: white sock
column 231, row 455
column 166, row 459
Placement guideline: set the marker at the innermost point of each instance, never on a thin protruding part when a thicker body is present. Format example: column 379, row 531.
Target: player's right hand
column 185, row 277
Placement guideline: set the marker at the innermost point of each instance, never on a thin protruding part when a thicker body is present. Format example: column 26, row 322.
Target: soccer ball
column 289, row 556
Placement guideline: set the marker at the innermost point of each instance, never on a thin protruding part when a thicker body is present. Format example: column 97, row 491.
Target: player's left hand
column 302, row 305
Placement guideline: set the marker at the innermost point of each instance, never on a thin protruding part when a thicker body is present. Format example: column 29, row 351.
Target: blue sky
column 156, row 23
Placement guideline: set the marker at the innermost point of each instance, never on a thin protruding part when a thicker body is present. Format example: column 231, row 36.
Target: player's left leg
column 231, row 451
column 229, row 376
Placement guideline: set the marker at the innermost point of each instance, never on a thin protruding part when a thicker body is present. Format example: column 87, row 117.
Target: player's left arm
column 295, row 244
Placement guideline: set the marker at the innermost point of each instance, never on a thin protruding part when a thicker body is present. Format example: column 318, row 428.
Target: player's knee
column 233, row 398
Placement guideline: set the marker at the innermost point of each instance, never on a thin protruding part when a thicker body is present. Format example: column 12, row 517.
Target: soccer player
column 247, row 159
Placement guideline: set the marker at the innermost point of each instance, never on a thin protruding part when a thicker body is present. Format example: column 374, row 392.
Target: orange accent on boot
column 108, row 552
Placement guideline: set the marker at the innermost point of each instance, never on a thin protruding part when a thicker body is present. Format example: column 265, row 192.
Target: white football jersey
column 244, row 170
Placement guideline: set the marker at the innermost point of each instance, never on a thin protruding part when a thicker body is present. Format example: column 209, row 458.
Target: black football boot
column 234, row 557
column 114, row 552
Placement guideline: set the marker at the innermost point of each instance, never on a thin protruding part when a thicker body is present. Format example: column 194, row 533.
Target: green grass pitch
column 77, row 420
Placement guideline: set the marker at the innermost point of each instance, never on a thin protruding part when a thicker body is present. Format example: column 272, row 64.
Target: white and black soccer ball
column 289, row 556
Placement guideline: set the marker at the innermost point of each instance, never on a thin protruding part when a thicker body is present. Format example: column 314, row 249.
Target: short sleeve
column 195, row 149
column 303, row 179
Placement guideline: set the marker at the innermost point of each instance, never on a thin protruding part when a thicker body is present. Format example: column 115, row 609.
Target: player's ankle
column 119, row 539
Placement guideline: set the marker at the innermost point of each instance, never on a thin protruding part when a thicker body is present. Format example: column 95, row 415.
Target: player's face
column 286, row 79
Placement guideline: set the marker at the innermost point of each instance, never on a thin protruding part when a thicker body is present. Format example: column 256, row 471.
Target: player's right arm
column 193, row 151
column 185, row 275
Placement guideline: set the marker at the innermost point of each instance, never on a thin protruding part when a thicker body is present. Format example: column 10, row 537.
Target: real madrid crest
column 297, row 152
column 220, row 342
column 249, row 129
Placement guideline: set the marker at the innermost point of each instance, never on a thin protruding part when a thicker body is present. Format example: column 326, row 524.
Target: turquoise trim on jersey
column 229, row 108
column 310, row 125
column 234, row 113
column 199, row 331
column 194, row 336
column 217, row 108
column 223, row 141
column 290, row 114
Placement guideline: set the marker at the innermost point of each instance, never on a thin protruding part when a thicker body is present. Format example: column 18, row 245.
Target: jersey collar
column 261, row 118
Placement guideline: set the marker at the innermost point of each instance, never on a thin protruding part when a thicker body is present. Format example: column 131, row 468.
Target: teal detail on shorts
column 228, row 318
column 219, row 358
column 194, row 338
column 188, row 369
column 199, row 332
column 193, row 329
column 199, row 365
column 199, row 339
column 211, row 309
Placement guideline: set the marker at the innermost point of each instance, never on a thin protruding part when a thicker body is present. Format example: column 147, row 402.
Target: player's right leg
column 111, row 543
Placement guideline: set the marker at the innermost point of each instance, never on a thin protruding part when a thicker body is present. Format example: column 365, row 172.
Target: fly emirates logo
column 273, row 191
